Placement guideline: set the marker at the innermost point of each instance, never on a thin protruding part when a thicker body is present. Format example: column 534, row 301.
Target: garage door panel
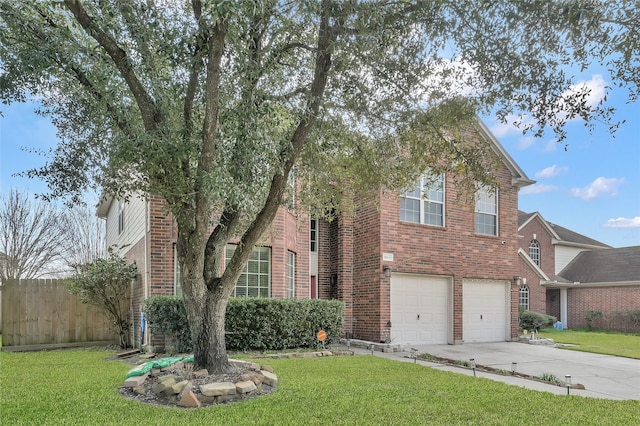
column 485, row 311
column 420, row 309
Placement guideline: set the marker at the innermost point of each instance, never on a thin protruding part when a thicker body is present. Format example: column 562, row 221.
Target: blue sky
column 592, row 188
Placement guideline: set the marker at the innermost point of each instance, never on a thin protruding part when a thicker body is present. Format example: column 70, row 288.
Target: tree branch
column 151, row 116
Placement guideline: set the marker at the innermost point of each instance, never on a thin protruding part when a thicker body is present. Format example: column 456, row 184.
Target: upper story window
column 121, row 222
column 256, row 276
column 523, row 298
column 424, row 203
column 486, row 211
column 291, row 274
column 534, row 251
column 313, row 235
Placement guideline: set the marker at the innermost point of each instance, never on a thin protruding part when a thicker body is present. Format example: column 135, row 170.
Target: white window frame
column 534, row 251
column 258, row 266
column 121, row 217
column 291, row 275
column 424, row 187
column 313, row 235
column 486, row 206
column 524, row 297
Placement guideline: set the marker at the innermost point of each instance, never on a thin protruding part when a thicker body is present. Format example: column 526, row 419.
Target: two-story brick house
column 566, row 274
column 425, row 266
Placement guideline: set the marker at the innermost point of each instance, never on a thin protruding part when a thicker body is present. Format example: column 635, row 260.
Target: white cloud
column 537, row 189
column 509, row 128
column 595, row 89
column 600, row 186
column 623, row 222
column 551, row 171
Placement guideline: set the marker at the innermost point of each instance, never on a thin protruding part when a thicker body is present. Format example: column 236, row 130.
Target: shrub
column 535, row 320
column 591, row 317
column 254, row 323
column 105, row 283
column 629, row 319
column 166, row 315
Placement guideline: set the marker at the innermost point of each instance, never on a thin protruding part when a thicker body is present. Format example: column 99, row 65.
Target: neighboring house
column 566, row 274
column 421, row 267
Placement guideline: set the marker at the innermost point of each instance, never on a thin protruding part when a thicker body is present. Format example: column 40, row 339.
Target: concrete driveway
column 603, row 376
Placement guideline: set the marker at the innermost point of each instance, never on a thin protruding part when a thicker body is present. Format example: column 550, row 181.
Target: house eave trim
column 525, row 256
column 555, row 284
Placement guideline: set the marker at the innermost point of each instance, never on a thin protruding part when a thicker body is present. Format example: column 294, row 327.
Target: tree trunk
column 209, row 348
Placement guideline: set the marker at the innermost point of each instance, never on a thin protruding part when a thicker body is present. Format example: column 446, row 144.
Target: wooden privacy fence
column 44, row 312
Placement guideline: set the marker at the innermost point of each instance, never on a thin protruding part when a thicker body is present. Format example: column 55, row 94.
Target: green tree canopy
column 212, row 104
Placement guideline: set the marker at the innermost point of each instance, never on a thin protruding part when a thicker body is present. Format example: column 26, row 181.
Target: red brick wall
column 370, row 287
column 454, row 250
column 604, row 299
column 162, row 236
column 289, row 233
column 537, row 293
column 327, row 256
column 547, row 249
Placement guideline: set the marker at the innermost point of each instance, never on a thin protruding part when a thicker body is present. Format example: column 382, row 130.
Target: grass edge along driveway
column 79, row 387
column 600, row 342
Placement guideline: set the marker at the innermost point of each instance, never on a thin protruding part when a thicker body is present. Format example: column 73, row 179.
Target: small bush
column 591, row 317
column 105, row 283
column 166, row 315
column 535, row 320
column 253, row 323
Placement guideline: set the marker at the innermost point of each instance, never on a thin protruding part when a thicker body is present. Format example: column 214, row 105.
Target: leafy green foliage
column 166, row 315
column 105, row 283
column 535, row 320
column 253, row 323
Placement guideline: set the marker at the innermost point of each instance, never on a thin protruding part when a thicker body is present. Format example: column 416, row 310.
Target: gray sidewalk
column 603, row 376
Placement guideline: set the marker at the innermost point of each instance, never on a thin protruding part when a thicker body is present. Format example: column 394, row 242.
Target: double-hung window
column 255, row 278
column 424, row 203
column 486, row 211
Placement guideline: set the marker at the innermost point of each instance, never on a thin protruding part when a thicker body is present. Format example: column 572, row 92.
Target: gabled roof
column 567, row 235
column 615, row 265
column 518, row 176
column 560, row 234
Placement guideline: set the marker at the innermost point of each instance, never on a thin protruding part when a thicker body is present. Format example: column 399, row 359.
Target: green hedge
column 535, row 320
column 166, row 315
column 254, row 323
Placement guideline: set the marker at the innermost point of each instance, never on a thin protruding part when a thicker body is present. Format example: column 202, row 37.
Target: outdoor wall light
column 567, row 382
column 387, row 271
column 514, row 367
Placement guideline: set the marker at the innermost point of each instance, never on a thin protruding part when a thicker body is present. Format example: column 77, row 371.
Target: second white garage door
column 420, row 309
column 485, row 311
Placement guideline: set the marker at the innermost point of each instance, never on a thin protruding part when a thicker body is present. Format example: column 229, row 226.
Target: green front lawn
column 80, row 388
column 619, row 344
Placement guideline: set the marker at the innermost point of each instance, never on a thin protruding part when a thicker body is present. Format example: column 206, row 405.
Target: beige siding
column 134, row 222
column 564, row 255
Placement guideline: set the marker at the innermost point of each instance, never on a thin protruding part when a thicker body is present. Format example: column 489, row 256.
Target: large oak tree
column 214, row 104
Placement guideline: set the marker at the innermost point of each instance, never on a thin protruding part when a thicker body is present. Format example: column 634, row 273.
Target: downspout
column 146, row 269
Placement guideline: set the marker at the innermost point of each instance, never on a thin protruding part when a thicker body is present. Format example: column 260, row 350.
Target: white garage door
column 420, row 309
column 485, row 311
